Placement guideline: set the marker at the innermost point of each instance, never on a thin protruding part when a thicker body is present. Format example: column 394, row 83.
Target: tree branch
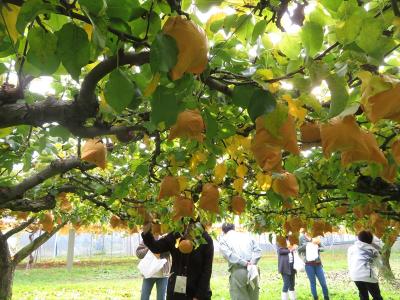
column 56, row 167
column 87, row 101
column 71, row 114
column 395, row 8
column 40, row 240
column 25, row 204
column 19, row 228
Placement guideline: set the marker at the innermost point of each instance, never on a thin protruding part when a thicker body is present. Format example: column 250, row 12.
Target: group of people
column 362, row 257
column 187, row 276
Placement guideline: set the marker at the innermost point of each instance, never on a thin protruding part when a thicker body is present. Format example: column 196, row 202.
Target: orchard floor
column 118, row 278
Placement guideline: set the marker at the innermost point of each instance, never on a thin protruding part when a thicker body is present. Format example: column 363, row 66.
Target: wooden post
column 71, row 246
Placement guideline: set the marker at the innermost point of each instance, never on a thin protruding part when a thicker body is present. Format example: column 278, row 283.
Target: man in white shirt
column 242, row 253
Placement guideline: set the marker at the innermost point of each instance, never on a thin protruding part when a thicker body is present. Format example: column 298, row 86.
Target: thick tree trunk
column 6, row 270
column 385, row 270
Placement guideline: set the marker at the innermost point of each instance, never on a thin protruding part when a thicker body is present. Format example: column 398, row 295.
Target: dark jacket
column 141, row 252
column 284, row 267
column 197, row 265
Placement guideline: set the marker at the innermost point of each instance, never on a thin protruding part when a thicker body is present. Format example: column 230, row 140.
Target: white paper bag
column 311, row 252
column 253, row 276
column 150, row 265
column 298, row 263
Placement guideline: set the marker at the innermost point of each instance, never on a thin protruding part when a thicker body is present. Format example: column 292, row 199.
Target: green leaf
column 29, row 10
column 60, row 131
column 164, row 107
column 339, row 94
column 216, row 25
column 371, row 31
column 100, row 31
column 139, row 26
column 275, row 119
column 332, row 4
column 94, row 7
column 119, row 90
column 274, row 199
column 121, row 9
column 258, row 30
column 73, row 48
column 205, row 5
column 3, row 68
column 348, row 30
column 229, row 21
column 347, row 8
column 6, row 131
column 261, row 102
column 318, row 71
column 312, row 36
column 211, row 125
column 242, row 94
column 44, row 58
column 290, row 45
column 244, row 28
column 319, row 16
column 163, row 53
column 137, row 98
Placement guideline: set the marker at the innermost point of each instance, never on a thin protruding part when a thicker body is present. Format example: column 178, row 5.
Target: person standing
column 362, row 257
column 160, row 278
column 311, row 248
column 190, row 273
column 286, row 268
column 242, row 253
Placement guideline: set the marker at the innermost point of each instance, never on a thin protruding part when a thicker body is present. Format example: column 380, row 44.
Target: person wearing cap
column 242, row 253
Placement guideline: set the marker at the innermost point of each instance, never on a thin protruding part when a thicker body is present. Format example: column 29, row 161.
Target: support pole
column 71, row 246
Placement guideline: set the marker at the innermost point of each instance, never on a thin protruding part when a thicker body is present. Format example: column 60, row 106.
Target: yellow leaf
column 103, row 105
column 200, row 156
column 89, row 30
column 396, row 22
column 295, row 108
column 10, row 13
column 264, row 181
column 265, row 74
column 274, row 87
column 183, row 183
column 193, row 164
column 152, row 85
column 238, row 185
column 89, row 67
column 220, row 172
column 241, row 171
column 146, row 140
column 177, row 242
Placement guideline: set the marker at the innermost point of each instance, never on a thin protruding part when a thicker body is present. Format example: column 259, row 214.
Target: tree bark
column 8, row 264
column 7, row 268
column 385, row 269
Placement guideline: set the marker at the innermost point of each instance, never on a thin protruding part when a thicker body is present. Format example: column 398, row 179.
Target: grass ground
column 118, row 278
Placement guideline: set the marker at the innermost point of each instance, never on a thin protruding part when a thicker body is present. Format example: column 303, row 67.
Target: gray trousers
column 238, row 287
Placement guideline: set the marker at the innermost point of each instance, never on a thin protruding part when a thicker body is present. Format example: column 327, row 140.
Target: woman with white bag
column 155, row 269
column 286, row 257
column 311, row 248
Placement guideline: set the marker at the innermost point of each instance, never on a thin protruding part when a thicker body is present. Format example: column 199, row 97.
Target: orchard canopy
column 283, row 112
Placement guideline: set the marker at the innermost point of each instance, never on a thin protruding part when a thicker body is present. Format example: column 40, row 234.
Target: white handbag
column 312, row 251
column 151, row 265
column 298, row 263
